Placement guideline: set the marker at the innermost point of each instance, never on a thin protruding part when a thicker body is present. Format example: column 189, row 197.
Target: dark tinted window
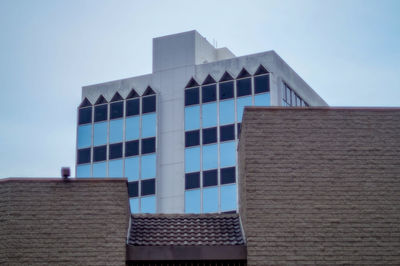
column 84, row 156
column 192, row 138
column 210, row 178
column 116, row 110
column 243, row 87
column 228, row 175
column 148, row 187
column 227, row 132
column 100, row 153
column 261, row 84
column 100, row 112
column 226, row 90
column 148, row 145
column 85, row 115
column 149, row 104
column 239, row 125
column 192, row 180
column 132, row 107
column 192, row 96
column 115, row 151
column 209, row 135
column 209, row 93
column 132, row 148
column 133, row 189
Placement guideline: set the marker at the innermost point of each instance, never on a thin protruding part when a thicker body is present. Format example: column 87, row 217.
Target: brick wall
column 82, row 222
column 320, row 186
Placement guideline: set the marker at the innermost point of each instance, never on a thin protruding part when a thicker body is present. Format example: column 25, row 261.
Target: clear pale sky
column 347, row 50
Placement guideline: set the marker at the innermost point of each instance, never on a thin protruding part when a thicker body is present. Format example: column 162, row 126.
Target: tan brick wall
column 81, row 222
column 322, row 186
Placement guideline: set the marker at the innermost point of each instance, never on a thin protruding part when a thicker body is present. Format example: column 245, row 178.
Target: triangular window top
column 85, row 103
column 148, row 91
column 243, row 74
column 101, row 100
column 261, row 70
column 209, row 80
column 132, row 94
column 117, row 97
column 192, row 83
column 225, row 77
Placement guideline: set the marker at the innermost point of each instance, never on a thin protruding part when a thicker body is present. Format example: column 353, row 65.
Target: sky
column 348, row 51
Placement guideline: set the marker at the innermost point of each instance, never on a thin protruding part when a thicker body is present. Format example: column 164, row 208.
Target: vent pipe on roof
column 65, row 173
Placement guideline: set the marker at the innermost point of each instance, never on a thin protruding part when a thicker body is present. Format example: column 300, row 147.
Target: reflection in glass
column 192, row 159
column 100, row 133
column 209, row 114
column 262, row 99
column 134, row 204
column 116, row 130
column 226, row 112
column 115, row 168
column 83, row 170
column 132, row 168
column 228, row 153
column 192, row 201
column 84, row 136
column 210, row 199
column 132, row 128
column 192, row 117
column 210, row 156
column 148, row 204
column 148, row 125
column 148, row 166
column 228, row 198
column 241, row 103
column 100, row 169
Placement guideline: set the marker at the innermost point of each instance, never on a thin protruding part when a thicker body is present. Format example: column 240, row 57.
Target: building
column 173, row 133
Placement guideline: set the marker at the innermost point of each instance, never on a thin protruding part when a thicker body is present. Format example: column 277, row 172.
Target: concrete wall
column 320, row 186
column 81, row 222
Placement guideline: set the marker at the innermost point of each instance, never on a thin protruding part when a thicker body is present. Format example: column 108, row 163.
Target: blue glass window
column 209, row 93
column 84, row 136
column 134, row 204
column 228, row 153
column 99, row 153
column 228, row 175
column 192, row 180
column 148, row 125
column 209, row 135
column 115, row 151
column 116, row 130
column 210, row 178
column 116, row 110
column 262, row 99
column 133, row 189
column 132, row 168
column 148, row 145
column 84, row 156
column 148, row 104
column 148, row 187
column 115, row 168
column 192, row 201
column 148, row 204
column 226, row 112
column 132, row 148
column 192, row 96
column 83, row 170
column 228, row 198
column 192, row 138
column 85, row 115
column 243, row 87
column 210, row 156
column 149, row 166
column 226, row 90
column 100, row 169
column 132, row 128
column 227, row 132
column 261, row 84
column 192, row 117
column 192, row 160
column 132, row 107
column 241, row 103
column 209, row 114
column 100, row 133
column 210, row 199
column 100, row 112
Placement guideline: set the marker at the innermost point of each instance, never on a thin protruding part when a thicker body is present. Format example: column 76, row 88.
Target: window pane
column 83, row 170
column 116, row 130
column 209, row 135
column 115, row 151
column 100, row 112
column 209, row 93
column 133, row 189
column 228, row 153
column 226, row 90
column 134, row 204
column 192, row 160
column 261, row 84
column 210, row 178
column 228, row 175
column 148, row 145
column 148, row 187
column 243, row 87
column 132, row 148
column 227, row 132
column 84, row 156
column 210, row 199
column 132, row 128
column 148, row 204
column 149, row 125
column 192, row 201
column 192, row 96
column 192, row 138
column 100, row 169
column 210, row 157
column 149, row 104
column 132, row 168
column 85, row 115
column 100, row 153
column 100, row 133
column 192, row 180
column 84, row 136
column 192, row 117
column 116, row 110
column 209, row 114
column 226, row 112
column 115, row 168
column 241, row 103
column 132, row 107
column 262, row 99
column 148, row 166
column 239, row 126
column 228, row 198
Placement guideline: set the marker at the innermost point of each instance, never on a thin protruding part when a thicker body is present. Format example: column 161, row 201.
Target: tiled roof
column 185, row 230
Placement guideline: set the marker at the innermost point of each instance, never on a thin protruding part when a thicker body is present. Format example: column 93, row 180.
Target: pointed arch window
column 116, row 106
column 85, row 112
column 132, row 106
column 148, row 101
column 100, row 109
